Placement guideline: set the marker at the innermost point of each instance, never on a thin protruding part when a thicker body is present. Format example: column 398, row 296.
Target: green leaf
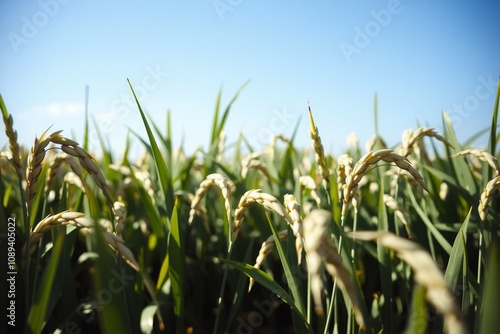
column 217, row 125
column 434, row 231
column 111, row 277
column 176, row 268
column 458, row 258
column 290, row 278
column 417, row 323
column 38, row 312
column 494, row 122
column 161, row 167
column 152, row 213
column 163, row 275
column 490, row 321
column 461, row 170
column 384, row 258
column 108, row 159
column 240, row 291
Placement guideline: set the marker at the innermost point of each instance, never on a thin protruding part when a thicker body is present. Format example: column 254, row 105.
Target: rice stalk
column 426, row 273
column 321, row 250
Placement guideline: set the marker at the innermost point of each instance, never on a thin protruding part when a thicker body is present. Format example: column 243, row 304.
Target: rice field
column 391, row 238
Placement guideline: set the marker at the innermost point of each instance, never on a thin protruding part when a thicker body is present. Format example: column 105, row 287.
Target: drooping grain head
column 410, row 138
column 55, row 170
column 120, row 213
column 426, row 273
column 294, row 211
column 483, row 156
column 307, row 182
column 250, row 198
column 366, row 163
column 352, row 141
column 210, row 180
column 88, row 163
column 266, row 248
column 371, row 144
column 344, row 167
column 76, row 219
column 487, row 195
column 392, row 204
column 321, row 250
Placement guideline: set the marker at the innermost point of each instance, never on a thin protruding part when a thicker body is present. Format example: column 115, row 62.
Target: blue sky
column 420, row 57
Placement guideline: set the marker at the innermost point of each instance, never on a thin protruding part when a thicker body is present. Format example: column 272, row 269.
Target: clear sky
column 420, row 57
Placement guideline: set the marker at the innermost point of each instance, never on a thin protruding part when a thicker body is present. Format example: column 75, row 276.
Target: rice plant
column 242, row 239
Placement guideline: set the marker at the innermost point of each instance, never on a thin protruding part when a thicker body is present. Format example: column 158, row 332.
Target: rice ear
column 426, row 273
column 320, row 249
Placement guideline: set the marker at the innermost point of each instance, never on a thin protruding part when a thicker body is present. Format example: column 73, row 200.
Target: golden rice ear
column 252, row 197
column 366, row 163
column 320, row 249
column 489, row 191
column 76, row 219
column 483, row 156
column 12, row 135
column 344, row 167
column 266, row 248
column 210, row 180
column 410, row 138
column 293, row 209
column 34, row 166
column 426, row 273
